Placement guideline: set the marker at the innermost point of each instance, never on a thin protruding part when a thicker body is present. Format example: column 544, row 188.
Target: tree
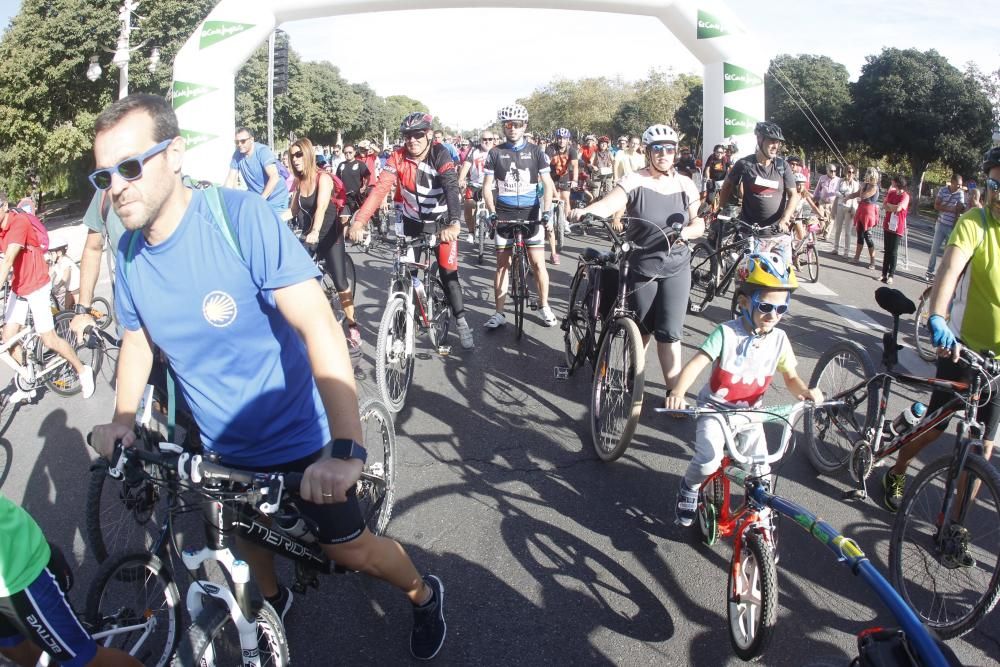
column 690, row 115
column 396, row 109
column 812, row 82
column 916, row 105
column 656, row 99
column 587, row 105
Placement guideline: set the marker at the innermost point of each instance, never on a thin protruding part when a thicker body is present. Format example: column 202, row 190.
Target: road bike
column 483, row 227
column 713, row 265
column 42, row 365
column 804, row 254
column 414, row 306
column 944, row 552
column 519, row 285
column 752, row 590
column 231, row 620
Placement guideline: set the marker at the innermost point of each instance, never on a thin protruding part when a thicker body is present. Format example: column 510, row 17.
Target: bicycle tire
column 146, row 581
column 100, row 310
column 376, row 490
column 481, row 222
column 611, row 433
column 831, row 433
column 560, row 227
column 65, row 381
column 440, row 310
column 921, row 335
column 206, row 643
column 393, row 366
column 518, row 292
column 811, row 258
column 704, row 277
column 935, row 588
column 751, row 625
column 577, row 336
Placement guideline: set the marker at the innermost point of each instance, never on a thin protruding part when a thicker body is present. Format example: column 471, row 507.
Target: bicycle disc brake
column 862, row 461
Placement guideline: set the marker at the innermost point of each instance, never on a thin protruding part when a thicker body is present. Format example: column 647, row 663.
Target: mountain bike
column 944, row 552
column 42, row 365
column 414, row 306
column 519, row 287
column 713, row 267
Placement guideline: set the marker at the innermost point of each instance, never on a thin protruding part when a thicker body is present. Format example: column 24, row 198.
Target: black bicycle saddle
column 894, row 302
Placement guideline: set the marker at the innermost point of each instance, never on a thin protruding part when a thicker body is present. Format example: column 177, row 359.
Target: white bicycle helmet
column 512, row 112
column 659, row 134
column 800, row 178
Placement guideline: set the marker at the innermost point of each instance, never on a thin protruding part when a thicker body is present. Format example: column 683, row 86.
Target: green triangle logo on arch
column 195, row 139
column 184, row 92
column 710, row 26
column 213, row 32
column 737, row 78
column 737, row 122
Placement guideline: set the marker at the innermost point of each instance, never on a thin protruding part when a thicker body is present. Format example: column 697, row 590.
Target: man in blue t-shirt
column 257, row 166
column 255, row 347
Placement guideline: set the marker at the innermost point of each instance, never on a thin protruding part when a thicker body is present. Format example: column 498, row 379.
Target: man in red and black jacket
column 427, row 190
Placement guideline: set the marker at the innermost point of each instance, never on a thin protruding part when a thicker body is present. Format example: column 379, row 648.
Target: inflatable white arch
column 205, row 68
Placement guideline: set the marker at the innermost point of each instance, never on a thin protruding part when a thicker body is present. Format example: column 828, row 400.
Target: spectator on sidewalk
column 897, row 202
column 844, row 209
column 825, row 194
column 949, row 203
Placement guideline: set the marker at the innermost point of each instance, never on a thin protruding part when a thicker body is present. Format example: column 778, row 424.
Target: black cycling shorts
column 661, row 304
column 987, row 414
column 41, row 614
column 351, row 205
column 339, row 522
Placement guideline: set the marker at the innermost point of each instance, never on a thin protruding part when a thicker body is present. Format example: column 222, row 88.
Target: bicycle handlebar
column 756, row 230
column 848, row 552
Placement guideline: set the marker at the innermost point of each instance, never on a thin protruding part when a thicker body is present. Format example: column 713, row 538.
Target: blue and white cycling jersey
column 518, row 171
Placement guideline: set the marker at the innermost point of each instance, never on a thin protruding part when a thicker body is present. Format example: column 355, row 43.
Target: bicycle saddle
column 591, row 255
column 894, row 302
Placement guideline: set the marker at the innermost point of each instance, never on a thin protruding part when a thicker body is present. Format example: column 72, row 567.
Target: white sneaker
column 496, row 321
column 470, row 238
column 547, row 317
column 21, row 396
column 87, row 382
column 465, row 334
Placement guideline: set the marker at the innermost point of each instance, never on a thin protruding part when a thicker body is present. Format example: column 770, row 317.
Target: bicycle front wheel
column 376, row 490
column 842, row 374
column 810, row 262
column 921, row 334
column 214, row 641
column 704, row 277
column 578, row 337
column 481, row 222
column 393, row 364
column 558, row 219
column 440, row 311
column 616, row 393
column 64, row 380
column 100, row 310
column 518, row 291
column 752, row 597
column 136, row 591
column 948, row 570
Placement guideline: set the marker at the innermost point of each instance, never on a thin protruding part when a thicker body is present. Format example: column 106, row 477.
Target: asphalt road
column 548, row 555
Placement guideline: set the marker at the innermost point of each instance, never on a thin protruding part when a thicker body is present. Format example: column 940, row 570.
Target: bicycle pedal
column 444, row 350
column 561, row 372
column 855, row 495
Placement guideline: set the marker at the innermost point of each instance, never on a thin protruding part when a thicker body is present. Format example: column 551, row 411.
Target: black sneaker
column 892, row 484
column 429, row 627
column 282, row 602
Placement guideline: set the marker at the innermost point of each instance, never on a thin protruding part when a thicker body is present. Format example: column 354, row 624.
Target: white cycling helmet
column 800, row 178
column 512, row 112
column 658, row 134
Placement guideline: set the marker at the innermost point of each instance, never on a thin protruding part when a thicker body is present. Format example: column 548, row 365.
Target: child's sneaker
column 687, row 505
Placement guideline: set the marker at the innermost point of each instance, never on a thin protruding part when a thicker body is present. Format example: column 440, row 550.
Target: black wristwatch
column 80, row 309
column 345, row 448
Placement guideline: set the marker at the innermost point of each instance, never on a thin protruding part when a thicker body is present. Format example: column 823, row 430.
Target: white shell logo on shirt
column 219, row 309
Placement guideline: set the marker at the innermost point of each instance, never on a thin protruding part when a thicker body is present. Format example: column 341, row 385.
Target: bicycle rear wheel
column 578, row 338
column 753, row 597
column 921, row 334
column 64, row 381
column 376, row 488
column 393, row 364
column 704, row 277
column 100, row 310
column 831, row 433
column 135, row 590
column 949, row 571
column 214, row 641
column 616, row 392
column 518, row 291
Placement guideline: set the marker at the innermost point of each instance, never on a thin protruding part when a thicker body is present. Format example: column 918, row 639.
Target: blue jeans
column 941, row 234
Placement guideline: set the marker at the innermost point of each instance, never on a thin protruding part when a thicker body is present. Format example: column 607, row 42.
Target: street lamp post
column 123, row 50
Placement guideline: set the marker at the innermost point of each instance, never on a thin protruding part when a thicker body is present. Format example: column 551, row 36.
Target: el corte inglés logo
column 184, row 92
column 737, row 122
column 213, row 32
column 195, row 139
column 737, row 78
column 710, row 26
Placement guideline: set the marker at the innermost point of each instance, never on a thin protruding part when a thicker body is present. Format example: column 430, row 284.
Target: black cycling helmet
column 767, row 130
column 418, row 120
column 991, row 159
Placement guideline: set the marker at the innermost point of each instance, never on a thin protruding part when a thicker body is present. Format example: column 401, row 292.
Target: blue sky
column 465, row 90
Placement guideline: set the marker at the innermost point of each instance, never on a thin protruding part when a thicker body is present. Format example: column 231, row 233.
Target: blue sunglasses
column 130, row 168
column 765, row 307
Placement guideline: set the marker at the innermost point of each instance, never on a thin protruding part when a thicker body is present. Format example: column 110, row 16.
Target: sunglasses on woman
column 669, row 149
column 296, row 154
column 765, row 307
column 130, row 168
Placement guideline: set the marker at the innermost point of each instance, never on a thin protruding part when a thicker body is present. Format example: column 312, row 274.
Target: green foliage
column 690, row 115
column 823, row 85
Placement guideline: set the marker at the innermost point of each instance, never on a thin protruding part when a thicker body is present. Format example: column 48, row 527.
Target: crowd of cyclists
column 298, row 389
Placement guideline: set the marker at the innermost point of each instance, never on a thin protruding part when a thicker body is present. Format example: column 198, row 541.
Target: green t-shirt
column 24, row 553
column 980, row 327
column 92, row 219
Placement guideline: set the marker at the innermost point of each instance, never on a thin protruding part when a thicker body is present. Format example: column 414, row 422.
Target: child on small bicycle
column 744, row 353
column 34, row 613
